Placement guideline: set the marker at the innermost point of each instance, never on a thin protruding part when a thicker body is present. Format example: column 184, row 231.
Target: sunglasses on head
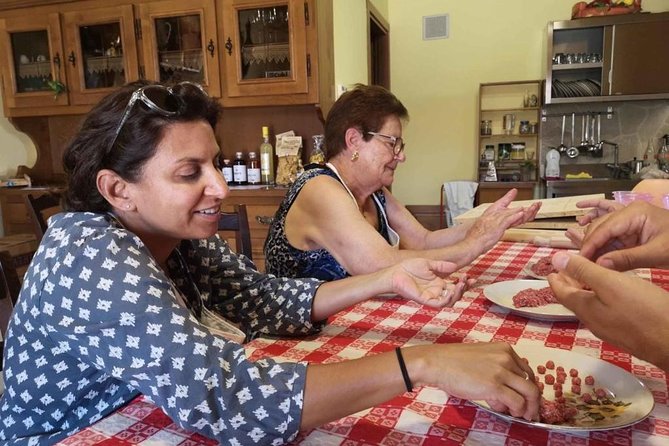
column 158, row 98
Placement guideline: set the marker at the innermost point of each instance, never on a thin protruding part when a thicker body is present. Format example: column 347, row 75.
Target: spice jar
column 524, row 127
column 517, row 151
column 486, row 128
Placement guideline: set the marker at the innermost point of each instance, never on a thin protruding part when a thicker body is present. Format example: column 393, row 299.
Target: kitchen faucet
column 617, row 170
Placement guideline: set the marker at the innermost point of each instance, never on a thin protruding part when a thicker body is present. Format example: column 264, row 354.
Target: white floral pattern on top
column 98, row 322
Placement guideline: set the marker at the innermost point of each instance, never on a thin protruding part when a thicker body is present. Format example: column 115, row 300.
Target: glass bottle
column 239, row 170
column 266, row 158
column 226, row 169
column 663, row 156
column 253, row 169
column 649, row 158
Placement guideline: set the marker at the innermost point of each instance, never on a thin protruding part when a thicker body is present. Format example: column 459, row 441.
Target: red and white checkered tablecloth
column 426, row 416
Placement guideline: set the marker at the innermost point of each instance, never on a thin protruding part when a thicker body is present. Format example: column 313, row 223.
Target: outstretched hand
column 422, row 281
column 490, row 226
column 599, row 207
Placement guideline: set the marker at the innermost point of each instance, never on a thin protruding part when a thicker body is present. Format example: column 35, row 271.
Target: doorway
column 379, row 48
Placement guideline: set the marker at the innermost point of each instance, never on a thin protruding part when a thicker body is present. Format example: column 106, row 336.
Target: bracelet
column 403, row 368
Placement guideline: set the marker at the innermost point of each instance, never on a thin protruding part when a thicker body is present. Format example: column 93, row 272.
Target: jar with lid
column 253, row 169
column 486, row 128
column 239, row 170
column 517, row 151
column 226, row 170
column 524, row 127
column 489, row 152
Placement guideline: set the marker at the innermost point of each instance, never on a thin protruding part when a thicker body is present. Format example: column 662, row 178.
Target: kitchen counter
column 585, row 186
column 490, row 191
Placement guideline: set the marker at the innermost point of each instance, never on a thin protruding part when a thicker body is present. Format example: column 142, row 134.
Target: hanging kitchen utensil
column 562, row 148
column 572, row 151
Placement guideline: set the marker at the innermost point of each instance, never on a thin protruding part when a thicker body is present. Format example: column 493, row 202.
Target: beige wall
column 438, row 80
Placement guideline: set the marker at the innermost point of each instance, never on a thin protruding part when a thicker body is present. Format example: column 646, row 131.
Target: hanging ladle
column 562, row 148
column 572, row 152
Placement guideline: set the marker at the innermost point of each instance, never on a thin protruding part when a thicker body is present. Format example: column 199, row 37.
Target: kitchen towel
column 459, row 198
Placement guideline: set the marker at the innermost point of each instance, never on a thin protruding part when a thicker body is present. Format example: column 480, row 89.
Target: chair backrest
column 238, row 222
column 6, row 306
column 40, row 208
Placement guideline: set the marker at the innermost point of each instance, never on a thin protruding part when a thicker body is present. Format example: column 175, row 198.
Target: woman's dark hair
column 90, row 151
column 366, row 107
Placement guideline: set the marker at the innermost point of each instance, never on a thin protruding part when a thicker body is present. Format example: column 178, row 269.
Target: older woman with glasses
column 341, row 219
column 132, row 292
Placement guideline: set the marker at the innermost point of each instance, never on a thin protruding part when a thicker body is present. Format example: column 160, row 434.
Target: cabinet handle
column 56, row 60
column 211, row 47
column 228, row 46
column 264, row 220
column 71, row 58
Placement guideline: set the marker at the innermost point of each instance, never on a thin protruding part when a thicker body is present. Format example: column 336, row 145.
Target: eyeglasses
column 396, row 141
column 158, row 98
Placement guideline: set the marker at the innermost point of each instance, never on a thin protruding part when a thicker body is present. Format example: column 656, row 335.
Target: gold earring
column 355, row 156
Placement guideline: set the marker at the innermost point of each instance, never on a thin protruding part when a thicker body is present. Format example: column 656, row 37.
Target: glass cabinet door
column 32, row 71
column 179, row 42
column 101, row 52
column 265, row 47
column 265, row 37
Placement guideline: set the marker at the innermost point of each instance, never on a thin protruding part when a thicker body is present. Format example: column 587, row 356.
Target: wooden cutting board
column 551, row 223
column 550, row 207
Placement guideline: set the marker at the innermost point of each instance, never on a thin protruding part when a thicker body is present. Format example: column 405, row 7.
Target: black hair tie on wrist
column 403, row 368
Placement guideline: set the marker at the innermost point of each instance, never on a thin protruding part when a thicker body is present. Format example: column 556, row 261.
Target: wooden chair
column 6, row 307
column 40, row 208
column 238, row 222
column 14, row 267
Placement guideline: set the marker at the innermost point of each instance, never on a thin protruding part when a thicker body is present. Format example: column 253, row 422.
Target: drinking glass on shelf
column 529, row 154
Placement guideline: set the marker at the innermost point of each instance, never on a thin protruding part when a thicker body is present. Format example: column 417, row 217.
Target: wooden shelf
column 576, row 66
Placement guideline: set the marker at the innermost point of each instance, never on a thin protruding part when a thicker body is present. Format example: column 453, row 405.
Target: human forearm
column 447, row 236
column 334, row 296
column 453, row 368
column 336, row 390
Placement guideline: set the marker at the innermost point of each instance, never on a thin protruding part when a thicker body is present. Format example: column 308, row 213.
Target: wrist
column 415, row 359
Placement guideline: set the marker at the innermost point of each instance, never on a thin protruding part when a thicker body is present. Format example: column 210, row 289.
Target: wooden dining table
column 426, row 416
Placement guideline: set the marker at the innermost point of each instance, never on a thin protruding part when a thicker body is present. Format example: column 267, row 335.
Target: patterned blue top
column 98, row 322
column 282, row 259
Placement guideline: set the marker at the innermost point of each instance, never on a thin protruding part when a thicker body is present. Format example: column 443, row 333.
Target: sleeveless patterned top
column 284, row 260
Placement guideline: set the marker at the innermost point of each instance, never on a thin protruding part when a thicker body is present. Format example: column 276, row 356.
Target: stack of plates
column 578, row 88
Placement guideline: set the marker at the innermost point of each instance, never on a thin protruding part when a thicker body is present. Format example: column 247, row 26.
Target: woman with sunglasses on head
column 131, row 291
column 341, row 219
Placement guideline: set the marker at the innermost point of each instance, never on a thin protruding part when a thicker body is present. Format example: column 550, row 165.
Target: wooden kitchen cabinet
column 247, row 52
column 261, row 205
column 180, row 43
column 269, row 52
column 95, row 53
column 608, row 58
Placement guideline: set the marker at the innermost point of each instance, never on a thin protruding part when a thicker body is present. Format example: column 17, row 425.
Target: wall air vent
column 435, row 27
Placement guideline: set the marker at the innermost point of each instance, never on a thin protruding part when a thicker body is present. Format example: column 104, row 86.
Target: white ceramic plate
column 501, row 293
column 622, row 385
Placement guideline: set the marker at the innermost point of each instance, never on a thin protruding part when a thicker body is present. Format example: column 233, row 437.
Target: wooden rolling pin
column 538, row 237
